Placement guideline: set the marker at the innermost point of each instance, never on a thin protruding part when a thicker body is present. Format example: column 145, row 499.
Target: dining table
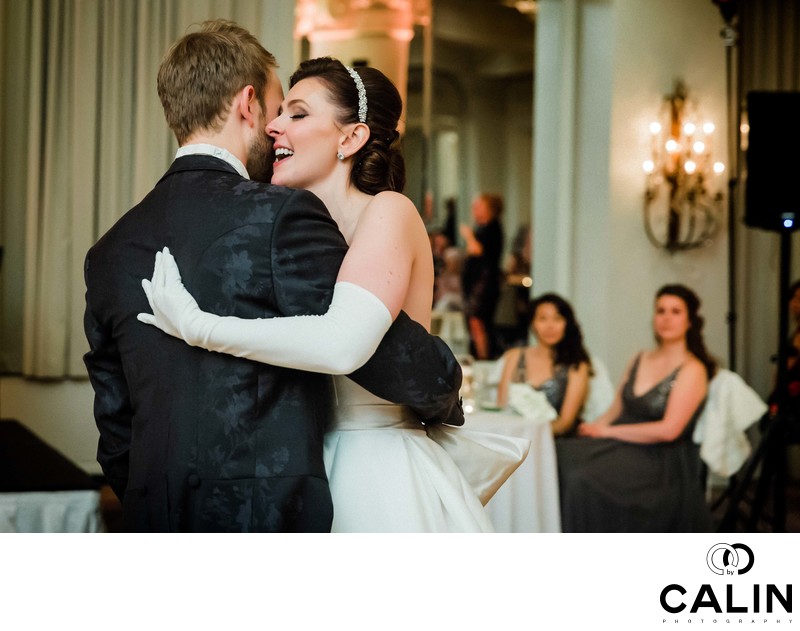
column 40, row 489
column 528, row 501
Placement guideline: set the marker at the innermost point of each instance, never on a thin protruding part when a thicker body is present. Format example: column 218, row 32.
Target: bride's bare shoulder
column 393, row 202
column 393, row 211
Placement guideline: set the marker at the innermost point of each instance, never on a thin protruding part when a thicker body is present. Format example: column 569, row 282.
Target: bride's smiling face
column 306, row 136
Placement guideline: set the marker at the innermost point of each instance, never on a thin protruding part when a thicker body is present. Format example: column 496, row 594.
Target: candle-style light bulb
column 699, row 146
column 719, row 167
column 690, row 167
column 649, row 166
column 672, row 146
column 708, row 127
column 655, row 128
column 689, row 128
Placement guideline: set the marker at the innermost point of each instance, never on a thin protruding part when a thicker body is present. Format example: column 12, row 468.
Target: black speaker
column 772, row 193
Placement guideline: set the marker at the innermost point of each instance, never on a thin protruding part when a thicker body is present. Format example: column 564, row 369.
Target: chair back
column 601, row 391
column 731, row 407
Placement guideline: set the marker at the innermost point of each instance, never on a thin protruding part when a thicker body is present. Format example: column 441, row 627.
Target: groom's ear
column 245, row 103
column 354, row 139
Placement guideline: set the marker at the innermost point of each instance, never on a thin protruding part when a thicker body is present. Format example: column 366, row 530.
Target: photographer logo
column 726, row 559
column 734, row 600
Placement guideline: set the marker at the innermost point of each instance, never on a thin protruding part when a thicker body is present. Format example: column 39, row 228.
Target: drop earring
column 340, row 155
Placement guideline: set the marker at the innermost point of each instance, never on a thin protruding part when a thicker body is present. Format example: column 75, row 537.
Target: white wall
column 616, row 60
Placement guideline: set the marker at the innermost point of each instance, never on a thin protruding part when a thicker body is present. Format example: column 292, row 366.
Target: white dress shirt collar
column 217, row 152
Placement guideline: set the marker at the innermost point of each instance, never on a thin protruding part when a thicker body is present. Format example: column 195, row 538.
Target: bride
column 336, row 136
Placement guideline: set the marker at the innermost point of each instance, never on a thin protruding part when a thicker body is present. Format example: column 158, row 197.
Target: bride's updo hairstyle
column 378, row 165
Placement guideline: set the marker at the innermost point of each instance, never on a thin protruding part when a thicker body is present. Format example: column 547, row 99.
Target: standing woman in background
column 481, row 280
column 558, row 365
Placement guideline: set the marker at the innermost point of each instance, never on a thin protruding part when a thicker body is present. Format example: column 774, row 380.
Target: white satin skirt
column 388, row 475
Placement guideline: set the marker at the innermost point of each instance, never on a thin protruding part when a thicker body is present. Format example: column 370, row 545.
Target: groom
column 198, row 441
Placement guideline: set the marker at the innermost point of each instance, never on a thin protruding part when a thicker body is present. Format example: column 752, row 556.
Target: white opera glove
column 174, row 310
column 338, row 342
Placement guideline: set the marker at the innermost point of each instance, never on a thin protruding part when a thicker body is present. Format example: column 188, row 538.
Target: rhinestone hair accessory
column 362, row 95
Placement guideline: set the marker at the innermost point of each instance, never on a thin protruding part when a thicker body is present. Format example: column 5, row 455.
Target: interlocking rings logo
column 724, row 555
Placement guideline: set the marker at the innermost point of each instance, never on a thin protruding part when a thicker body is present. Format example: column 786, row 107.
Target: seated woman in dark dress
column 558, row 365
column 636, row 469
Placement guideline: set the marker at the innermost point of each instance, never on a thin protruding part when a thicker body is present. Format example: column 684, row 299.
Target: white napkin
column 530, row 403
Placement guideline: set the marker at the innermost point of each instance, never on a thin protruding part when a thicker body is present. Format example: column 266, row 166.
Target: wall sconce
column 682, row 203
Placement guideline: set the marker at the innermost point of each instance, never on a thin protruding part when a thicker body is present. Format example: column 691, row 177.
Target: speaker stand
column 779, row 429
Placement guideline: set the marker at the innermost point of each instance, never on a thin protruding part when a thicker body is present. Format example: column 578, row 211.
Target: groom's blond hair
column 203, row 71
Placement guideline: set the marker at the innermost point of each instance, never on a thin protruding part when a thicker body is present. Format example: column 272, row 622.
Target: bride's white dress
column 387, row 475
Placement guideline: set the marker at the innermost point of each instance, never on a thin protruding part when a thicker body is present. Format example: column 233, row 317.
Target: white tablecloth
column 52, row 511
column 528, row 501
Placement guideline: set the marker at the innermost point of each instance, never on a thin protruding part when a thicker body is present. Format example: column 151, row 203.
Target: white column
column 554, row 130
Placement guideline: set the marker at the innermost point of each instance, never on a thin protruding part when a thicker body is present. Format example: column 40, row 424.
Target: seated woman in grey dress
column 636, row 469
column 558, row 365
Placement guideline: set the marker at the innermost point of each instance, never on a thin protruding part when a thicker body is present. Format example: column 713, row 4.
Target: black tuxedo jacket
column 201, row 441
